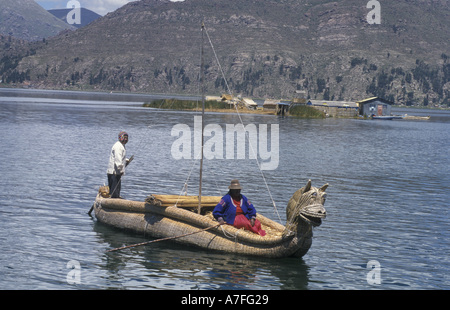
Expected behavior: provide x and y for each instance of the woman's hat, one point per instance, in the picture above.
(235, 185)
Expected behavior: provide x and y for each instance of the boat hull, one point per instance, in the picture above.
(157, 221)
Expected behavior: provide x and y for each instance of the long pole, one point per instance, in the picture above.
(164, 239)
(202, 77)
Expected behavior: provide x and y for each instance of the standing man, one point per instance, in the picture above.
(117, 164)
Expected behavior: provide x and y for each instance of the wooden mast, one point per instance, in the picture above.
(202, 77)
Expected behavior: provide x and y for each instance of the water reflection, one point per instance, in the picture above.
(168, 265)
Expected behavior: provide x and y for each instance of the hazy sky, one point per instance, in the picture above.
(101, 7)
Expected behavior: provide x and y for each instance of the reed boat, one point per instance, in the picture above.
(386, 117)
(176, 218)
(413, 117)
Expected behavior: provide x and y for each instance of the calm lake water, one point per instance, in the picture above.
(388, 199)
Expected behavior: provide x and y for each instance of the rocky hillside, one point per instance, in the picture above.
(27, 20)
(267, 48)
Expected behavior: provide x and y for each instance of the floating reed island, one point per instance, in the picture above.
(304, 111)
(194, 105)
(226, 107)
(177, 104)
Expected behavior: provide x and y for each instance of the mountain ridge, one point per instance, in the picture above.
(267, 49)
(27, 20)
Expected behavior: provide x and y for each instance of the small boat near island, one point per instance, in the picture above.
(414, 117)
(406, 116)
(386, 117)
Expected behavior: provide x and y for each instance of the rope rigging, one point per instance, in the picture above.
(242, 123)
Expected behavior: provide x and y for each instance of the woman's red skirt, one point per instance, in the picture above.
(242, 222)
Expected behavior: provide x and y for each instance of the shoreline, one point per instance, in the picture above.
(85, 95)
(130, 97)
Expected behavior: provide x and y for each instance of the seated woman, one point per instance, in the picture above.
(236, 210)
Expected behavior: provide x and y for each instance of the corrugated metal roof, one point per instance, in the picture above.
(339, 104)
(373, 99)
(368, 99)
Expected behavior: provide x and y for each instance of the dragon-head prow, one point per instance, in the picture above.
(307, 204)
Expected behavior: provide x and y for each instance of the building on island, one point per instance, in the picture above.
(374, 106)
